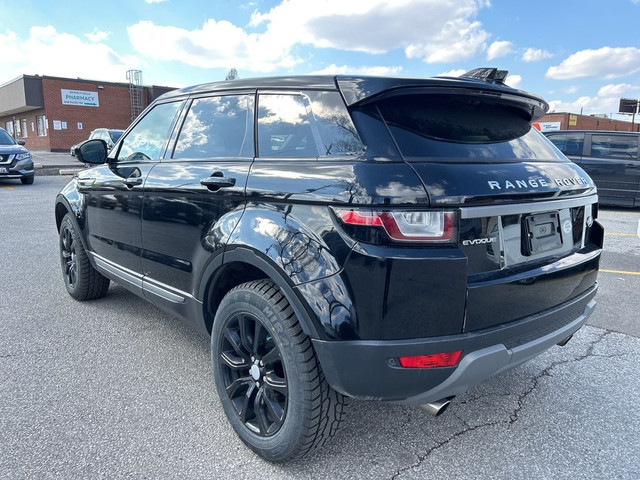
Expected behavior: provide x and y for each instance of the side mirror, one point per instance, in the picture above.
(21, 142)
(93, 152)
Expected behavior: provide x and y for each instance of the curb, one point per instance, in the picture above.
(57, 170)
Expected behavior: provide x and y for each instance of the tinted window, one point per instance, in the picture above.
(568, 143)
(147, 139)
(614, 146)
(458, 130)
(310, 124)
(284, 129)
(217, 127)
(336, 130)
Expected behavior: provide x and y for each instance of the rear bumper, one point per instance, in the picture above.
(370, 370)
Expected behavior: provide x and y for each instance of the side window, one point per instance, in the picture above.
(217, 127)
(568, 143)
(614, 146)
(284, 129)
(309, 124)
(146, 140)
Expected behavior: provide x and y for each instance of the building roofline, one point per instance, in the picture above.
(78, 79)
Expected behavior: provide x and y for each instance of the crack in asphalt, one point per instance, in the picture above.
(515, 415)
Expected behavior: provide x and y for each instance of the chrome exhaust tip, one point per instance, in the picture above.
(436, 408)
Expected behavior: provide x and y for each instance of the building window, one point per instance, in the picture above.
(9, 127)
(17, 129)
(24, 128)
(42, 130)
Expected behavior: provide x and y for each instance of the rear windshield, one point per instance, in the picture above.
(460, 129)
(115, 135)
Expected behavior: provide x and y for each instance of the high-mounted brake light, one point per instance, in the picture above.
(448, 359)
(407, 226)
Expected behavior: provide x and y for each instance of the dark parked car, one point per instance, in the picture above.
(610, 159)
(109, 135)
(15, 160)
(340, 237)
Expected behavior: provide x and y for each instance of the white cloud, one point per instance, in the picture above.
(605, 62)
(499, 49)
(215, 45)
(452, 73)
(430, 30)
(514, 80)
(97, 35)
(49, 52)
(155, 1)
(605, 101)
(348, 70)
(531, 55)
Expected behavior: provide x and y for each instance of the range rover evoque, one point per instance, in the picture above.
(340, 237)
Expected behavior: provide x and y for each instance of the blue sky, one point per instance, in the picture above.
(577, 54)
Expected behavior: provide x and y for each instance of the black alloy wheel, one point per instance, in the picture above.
(268, 378)
(253, 374)
(68, 253)
(82, 280)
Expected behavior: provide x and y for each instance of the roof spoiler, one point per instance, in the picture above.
(487, 74)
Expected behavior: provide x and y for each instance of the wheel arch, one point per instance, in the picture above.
(62, 207)
(240, 265)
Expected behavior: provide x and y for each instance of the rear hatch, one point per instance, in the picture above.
(526, 212)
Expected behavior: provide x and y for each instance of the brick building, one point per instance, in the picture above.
(54, 113)
(572, 121)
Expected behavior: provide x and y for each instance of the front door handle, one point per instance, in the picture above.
(215, 182)
(85, 183)
(132, 181)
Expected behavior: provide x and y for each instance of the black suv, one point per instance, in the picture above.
(15, 160)
(340, 237)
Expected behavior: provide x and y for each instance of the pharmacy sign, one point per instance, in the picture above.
(80, 98)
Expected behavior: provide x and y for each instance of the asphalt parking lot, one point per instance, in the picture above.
(116, 388)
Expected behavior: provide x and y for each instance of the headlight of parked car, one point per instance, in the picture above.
(23, 156)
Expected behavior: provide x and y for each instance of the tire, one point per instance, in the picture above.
(27, 180)
(269, 381)
(83, 282)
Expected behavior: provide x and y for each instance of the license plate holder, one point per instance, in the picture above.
(541, 233)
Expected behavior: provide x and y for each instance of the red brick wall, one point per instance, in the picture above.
(114, 110)
(587, 122)
(32, 140)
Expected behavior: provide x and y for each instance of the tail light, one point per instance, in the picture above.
(405, 226)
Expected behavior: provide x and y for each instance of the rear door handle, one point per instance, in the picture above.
(215, 182)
